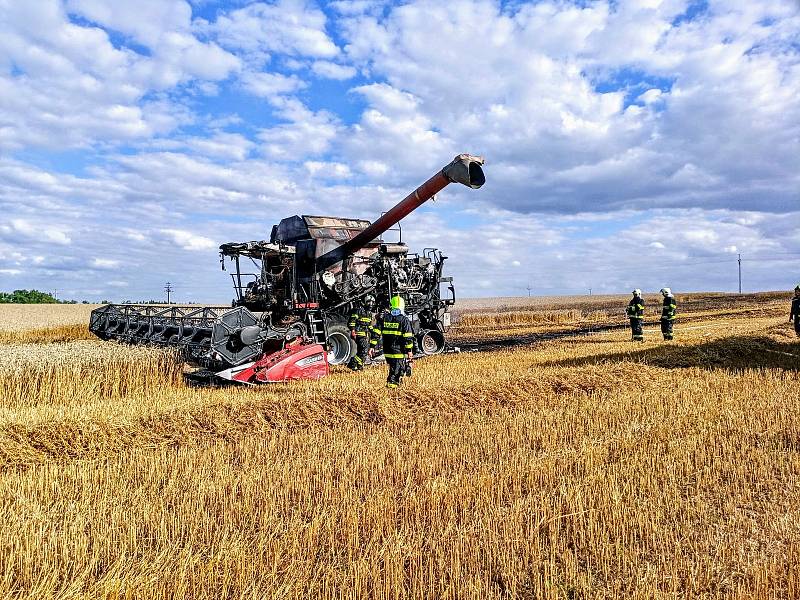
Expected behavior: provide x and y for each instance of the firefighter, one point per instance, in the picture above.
(794, 315)
(635, 313)
(394, 328)
(360, 325)
(667, 313)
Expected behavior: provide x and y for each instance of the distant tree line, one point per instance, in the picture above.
(34, 297)
(37, 297)
(27, 297)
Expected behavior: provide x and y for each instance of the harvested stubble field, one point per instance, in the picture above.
(584, 467)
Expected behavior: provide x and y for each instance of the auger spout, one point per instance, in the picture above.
(464, 169)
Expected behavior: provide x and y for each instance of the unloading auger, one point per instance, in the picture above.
(295, 292)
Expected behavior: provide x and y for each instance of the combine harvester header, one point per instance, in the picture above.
(289, 318)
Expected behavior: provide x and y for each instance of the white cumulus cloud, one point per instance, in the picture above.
(188, 240)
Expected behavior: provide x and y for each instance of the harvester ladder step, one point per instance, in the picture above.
(316, 327)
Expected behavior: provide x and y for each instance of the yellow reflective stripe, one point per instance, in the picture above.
(366, 319)
(361, 334)
(391, 325)
(394, 355)
(373, 343)
(409, 346)
(384, 332)
(408, 335)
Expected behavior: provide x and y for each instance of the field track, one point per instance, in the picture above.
(497, 341)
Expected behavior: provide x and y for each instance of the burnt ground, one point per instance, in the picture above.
(694, 309)
(687, 303)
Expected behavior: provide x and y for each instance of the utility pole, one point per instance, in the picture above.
(590, 291)
(740, 273)
(529, 288)
(168, 289)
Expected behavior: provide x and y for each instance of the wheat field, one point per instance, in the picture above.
(582, 467)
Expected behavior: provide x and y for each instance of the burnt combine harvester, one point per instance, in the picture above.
(294, 294)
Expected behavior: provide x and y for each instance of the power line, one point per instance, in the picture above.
(168, 289)
(772, 258)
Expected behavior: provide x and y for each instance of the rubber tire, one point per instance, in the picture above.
(434, 344)
(337, 334)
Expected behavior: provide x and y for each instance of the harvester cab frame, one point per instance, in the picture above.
(288, 319)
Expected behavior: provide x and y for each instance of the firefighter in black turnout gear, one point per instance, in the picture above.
(667, 313)
(360, 325)
(795, 314)
(394, 327)
(635, 312)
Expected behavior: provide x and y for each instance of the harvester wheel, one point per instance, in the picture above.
(430, 341)
(341, 347)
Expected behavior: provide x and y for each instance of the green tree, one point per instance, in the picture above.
(27, 297)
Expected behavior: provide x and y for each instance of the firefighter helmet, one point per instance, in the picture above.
(666, 292)
(637, 292)
(397, 303)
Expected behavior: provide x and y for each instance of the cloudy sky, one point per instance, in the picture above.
(628, 143)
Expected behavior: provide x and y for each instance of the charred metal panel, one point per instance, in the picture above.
(254, 249)
(315, 222)
(290, 230)
(305, 258)
(293, 229)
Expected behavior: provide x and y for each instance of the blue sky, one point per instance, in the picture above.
(627, 143)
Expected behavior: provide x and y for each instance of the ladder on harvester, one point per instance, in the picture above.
(316, 326)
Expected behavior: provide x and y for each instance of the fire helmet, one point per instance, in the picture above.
(369, 300)
(397, 303)
(637, 292)
(666, 291)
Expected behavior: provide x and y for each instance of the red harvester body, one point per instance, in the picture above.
(295, 361)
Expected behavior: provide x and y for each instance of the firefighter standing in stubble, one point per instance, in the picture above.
(398, 340)
(667, 313)
(360, 325)
(795, 314)
(635, 313)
